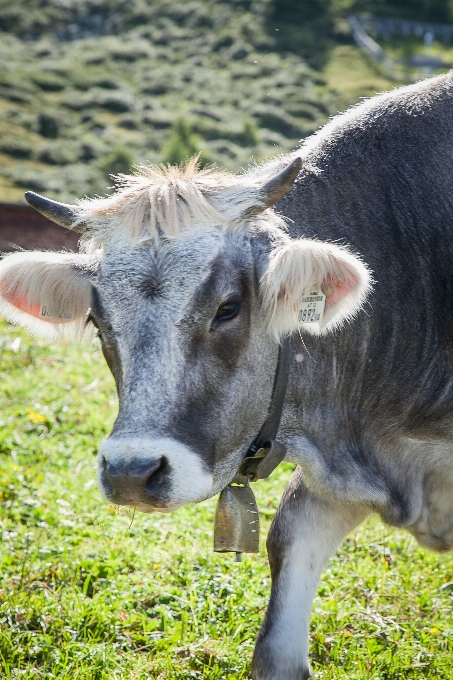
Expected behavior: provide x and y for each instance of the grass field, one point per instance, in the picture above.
(89, 592)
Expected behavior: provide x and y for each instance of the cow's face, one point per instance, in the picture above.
(184, 333)
(190, 328)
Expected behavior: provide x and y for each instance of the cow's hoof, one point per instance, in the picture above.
(267, 669)
(300, 674)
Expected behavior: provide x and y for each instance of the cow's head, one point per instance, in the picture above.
(190, 279)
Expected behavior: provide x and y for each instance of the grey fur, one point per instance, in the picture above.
(368, 415)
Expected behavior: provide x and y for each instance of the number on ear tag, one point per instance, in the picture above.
(311, 307)
(63, 313)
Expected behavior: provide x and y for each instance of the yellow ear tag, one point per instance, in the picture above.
(311, 308)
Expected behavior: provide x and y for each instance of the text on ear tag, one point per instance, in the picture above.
(237, 523)
(311, 308)
(62, 313)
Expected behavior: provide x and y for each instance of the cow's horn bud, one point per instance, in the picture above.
(274, 190)
(60, 213)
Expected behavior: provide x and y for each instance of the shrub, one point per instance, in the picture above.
(129, 52)
(276, 119)
(128, 123)
(119, 160)
(224, 38)
(84, 80)
(161, 81)
(117, 102)
(77, 102)
(158, 119)
(299, 11)
(55, 153)
(182, 144)
(48, 81)
(224, 147)
(302, 111)
(35, 180)
(90, 149)
(49, 124)
(274, 139)
(106, 83)
(211, 130)
(14, 94)
(17, 147)
(239, 50)
(248, 136)
(157, 87)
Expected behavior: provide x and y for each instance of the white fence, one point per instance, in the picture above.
(398, 68)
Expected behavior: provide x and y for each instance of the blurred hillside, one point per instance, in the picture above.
(90, 87)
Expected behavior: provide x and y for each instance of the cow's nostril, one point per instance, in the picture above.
(152, 470)
(156, 475)
(105, 481)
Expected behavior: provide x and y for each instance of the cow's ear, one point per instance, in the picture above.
(49, 294)
(300, 266)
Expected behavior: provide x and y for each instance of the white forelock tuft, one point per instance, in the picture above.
(168, 201)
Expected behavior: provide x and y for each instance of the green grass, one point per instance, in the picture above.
(90, 592)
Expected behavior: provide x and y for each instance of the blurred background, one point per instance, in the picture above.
(92, 87)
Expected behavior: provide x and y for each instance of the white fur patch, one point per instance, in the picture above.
(47, 293)
(298, 265)
(189, 480)
(158, 201)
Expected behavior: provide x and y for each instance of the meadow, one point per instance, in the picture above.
(93, 592)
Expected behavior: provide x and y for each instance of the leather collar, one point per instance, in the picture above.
(266, 453)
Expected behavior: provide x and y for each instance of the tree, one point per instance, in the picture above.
(182, 144)
(299, 11)
(119, 160)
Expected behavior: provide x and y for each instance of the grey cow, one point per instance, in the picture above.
(192, 280)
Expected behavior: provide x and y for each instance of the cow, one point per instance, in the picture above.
(193, 279)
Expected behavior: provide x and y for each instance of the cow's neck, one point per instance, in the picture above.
(265, 452)
(236, 527)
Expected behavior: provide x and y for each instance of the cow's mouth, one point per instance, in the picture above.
(151, 474)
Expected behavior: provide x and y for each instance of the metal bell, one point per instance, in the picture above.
(237, 522)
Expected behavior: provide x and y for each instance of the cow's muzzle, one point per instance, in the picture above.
(151, 474)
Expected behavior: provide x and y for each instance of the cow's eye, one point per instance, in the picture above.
(227, 311)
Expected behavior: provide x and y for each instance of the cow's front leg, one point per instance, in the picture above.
(305, 532)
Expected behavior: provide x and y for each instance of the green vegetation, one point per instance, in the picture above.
(181, 144)
(90, 86)
(436, 11)
(90, 592)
